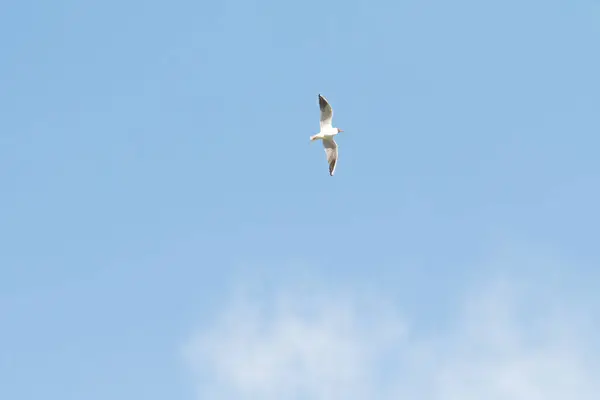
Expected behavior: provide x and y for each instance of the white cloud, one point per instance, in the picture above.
(335, 345)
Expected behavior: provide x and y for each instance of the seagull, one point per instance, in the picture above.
(327, 133)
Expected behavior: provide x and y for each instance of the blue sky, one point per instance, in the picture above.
(156, 173)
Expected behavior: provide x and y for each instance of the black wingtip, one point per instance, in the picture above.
(322, 102)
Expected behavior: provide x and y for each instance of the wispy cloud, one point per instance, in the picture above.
(345, 345)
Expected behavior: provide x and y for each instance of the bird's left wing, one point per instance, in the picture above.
(331, 149)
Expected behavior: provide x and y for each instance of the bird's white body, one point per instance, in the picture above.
(327, 134)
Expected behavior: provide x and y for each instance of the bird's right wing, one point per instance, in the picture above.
(326, 113)
(331, 149)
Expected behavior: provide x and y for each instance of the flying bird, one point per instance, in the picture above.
(327, 133)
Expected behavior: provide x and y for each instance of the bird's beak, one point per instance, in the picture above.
(341, 130)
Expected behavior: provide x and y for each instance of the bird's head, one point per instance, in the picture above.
(340, 130)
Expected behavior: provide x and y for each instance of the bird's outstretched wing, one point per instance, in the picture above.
(331, 149)
(326, 113)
